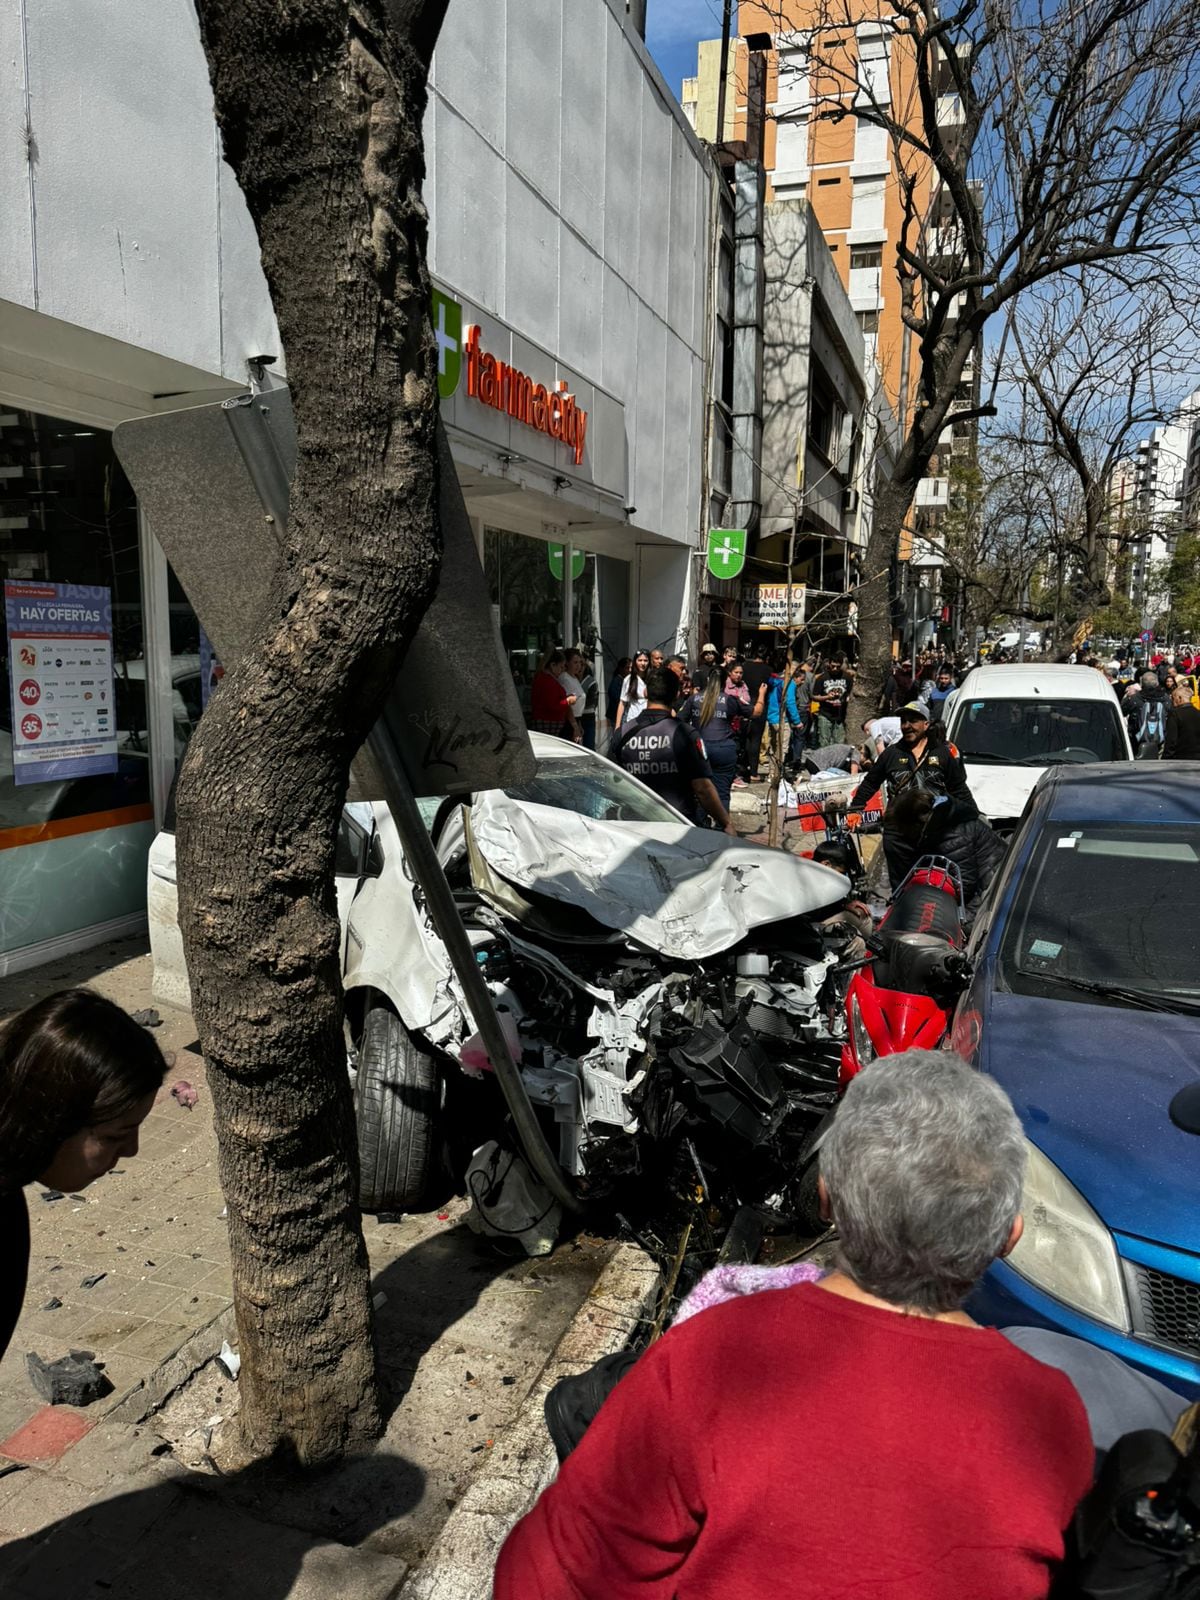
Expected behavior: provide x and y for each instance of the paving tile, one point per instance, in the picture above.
(46, 1435)
(181, 1271)
(154, 1341)
(108, 1329)
(39, 1498)
(219, 1281)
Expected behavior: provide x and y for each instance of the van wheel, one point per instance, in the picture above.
(397, 1093)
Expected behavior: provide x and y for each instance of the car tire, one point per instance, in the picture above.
(397, 1094)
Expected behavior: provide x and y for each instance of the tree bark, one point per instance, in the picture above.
(320, 105)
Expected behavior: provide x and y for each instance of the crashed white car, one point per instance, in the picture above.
(662, 986)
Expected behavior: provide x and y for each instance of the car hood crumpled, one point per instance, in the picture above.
(682, 891)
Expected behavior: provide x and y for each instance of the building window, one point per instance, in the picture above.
(868, 321)
(866, 256)
(826, 417)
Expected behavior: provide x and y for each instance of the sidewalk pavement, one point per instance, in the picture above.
(127, 1496)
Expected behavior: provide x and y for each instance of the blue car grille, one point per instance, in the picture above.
(1169, 1308)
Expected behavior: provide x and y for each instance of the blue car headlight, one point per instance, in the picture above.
(1066, 1249)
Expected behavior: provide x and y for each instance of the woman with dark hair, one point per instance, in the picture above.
(632, 701)
(714, 715)
(77, 1079)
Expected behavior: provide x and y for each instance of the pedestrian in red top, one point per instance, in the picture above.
(858, 1437)
(550, 706)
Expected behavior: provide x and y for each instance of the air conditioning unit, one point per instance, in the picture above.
(849, 501)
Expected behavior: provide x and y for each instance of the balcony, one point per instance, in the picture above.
(933, 494)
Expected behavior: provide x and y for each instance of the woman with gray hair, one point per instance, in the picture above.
(860, 1435)
(922, 1173)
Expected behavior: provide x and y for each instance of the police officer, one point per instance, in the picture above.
(929, 763)
(667, 756)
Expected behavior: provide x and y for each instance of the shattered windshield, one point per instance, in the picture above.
(592, 789)
(1039, 732)
(1108, 912)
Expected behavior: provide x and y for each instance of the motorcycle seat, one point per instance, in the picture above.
(922, 909)
(911, 961)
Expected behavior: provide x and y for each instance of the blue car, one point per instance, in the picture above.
(1085, 1005)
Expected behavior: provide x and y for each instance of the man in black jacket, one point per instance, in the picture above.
(918, 761)
(926, 824)
(929, 763)
(1183, 729)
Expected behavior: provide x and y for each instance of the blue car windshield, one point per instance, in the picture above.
(1107, 913)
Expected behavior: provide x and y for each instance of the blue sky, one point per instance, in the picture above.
(673, 29)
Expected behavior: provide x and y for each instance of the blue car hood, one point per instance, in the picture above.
(1092, 1084)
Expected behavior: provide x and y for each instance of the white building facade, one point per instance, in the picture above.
(570, 219)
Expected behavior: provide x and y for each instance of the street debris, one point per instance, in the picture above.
(229, 1359)
(73, 1380)
(147, 1019)
(184, 1093)
(51, 1195)
(53, 1304)
(92, 1280)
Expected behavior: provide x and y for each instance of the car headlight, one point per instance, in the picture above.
(864, 1047)
(1066, 1249)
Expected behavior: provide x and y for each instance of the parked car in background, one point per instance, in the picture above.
(1010, 723)
(1084, 1005)
(1012, 640)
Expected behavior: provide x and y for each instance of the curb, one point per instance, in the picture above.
(154, 1390)
(461, 1560)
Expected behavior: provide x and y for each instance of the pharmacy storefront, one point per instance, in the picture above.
(542, 457)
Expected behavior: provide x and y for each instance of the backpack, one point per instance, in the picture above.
(1134, 1535)
(1152, 730)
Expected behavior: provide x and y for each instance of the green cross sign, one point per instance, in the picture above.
(726, 551)
(447, 330)
(554, 554)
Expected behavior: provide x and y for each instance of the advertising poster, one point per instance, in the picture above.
(60, 671)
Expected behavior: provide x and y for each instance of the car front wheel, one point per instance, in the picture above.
(397, 1094)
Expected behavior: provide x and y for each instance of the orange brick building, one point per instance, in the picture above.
(828, 56)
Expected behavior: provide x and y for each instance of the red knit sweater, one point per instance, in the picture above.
(798, 1444)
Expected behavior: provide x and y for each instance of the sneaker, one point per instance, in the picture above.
(740, 783)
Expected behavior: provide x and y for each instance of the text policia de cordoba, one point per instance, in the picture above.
(550, 411)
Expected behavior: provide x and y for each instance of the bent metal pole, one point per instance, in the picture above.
(427, 870)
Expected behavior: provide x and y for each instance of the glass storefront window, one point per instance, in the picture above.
(68, 515)
(527, 599)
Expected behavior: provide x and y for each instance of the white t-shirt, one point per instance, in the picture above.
(633, 706)
(573, 686)
(885, 728)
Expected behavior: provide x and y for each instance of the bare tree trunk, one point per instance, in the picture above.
(891, 504)
(320, 105)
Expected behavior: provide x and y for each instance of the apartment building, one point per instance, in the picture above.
(824, 56)
(1161, 491)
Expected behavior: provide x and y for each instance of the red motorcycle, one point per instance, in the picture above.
(902, 997)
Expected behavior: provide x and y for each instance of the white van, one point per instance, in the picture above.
(1010, 723)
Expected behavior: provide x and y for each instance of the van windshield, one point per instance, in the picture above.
(1038, 732)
